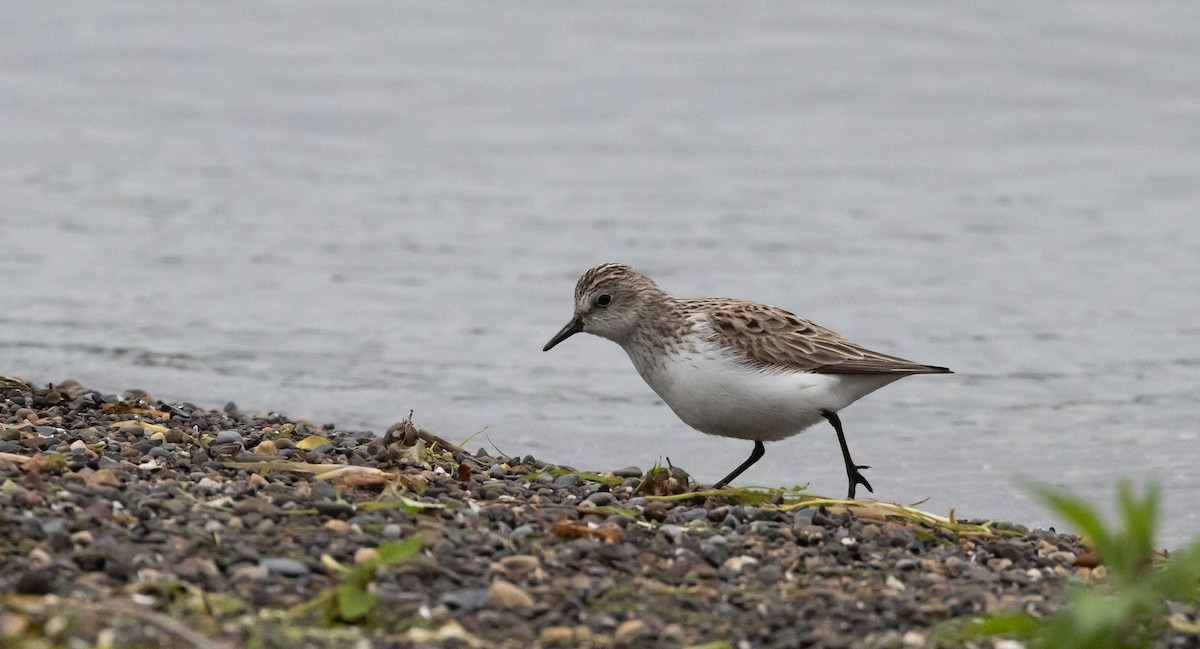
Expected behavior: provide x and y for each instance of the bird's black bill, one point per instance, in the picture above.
(573, 327)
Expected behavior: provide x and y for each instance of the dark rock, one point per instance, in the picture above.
(467, 600)
(567, 480)
(600, 499)
(35, 582)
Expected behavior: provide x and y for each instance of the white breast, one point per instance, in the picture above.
(712, 390)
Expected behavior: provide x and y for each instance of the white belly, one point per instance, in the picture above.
(715, 394)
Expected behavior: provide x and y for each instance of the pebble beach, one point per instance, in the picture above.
(129, 522)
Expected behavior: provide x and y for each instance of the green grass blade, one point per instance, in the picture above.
(1079, 514)
(394, 552)
(354, 602)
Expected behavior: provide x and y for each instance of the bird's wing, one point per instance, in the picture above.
(773, 337)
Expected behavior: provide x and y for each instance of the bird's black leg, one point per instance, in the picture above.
(755, 455)
(856, 478)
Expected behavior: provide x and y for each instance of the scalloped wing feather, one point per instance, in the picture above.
(773, 337)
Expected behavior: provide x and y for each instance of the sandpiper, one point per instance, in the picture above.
(731, 367)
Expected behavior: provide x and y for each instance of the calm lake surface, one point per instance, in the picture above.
(346, 212)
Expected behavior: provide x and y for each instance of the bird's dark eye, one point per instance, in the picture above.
(604, 300)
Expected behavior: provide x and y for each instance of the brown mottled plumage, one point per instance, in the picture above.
(773, 338)
(732, 367)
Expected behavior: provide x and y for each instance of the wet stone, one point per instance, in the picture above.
(228, 437)
(600, 498)
(628, 472)
(567, 480)
(469, 599)
(284, 567)
(322, 490)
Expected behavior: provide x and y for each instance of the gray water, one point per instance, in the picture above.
(346, 212)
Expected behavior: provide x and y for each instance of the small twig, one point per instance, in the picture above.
(432, 439)
(162, 621)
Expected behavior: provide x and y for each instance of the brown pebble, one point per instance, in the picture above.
(104, 478)
(673, 633)
(266, 447)
(519, 565)
(657, 510)
(557, 636)
(629, 632)
(505, 595)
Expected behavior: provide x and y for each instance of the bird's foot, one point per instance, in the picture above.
(856, 478)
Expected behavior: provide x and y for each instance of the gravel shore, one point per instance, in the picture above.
(130, 522)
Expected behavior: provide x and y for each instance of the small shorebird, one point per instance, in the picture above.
(731, 367)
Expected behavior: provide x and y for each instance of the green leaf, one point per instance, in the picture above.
(416, 506)
(1135, 544)
(394, 552)
(354, 602)
(1179, 576)
(1078, 513)
(658, 471)
(1021, 624)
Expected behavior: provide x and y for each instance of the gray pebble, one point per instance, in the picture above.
(600, 498)
(521, 532)
(468, 599)
(745, 512)
(568, 480)
(628, 472)
(228, 437)
(333, 508)
(714, 553)
(803, 515)
(54, 526)
(284, 567)
(322, 490)
(671, 531)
